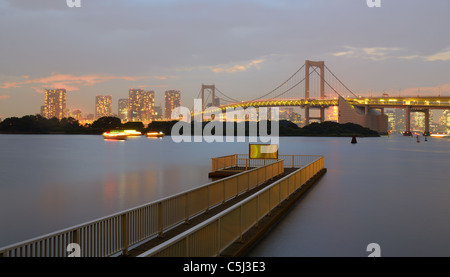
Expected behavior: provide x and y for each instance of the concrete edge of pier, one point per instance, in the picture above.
(255, 234)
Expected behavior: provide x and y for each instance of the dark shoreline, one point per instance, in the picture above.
(35, 125)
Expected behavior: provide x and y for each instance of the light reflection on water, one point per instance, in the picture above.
(389, 190)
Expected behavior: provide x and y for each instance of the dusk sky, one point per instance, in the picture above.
(246, 48)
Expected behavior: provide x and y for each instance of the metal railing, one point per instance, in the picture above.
(114, 234)
(289, 160)
(241, 162)
(214, 235)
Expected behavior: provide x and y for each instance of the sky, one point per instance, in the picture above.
(244, 47)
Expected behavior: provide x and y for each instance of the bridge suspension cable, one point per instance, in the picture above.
(341, 82)
(295, 85)
(232, 99)
(315, 70)
(282, 84)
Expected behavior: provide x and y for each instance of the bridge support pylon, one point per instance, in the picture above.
(427, 122)
(213, 92)
(408, 122)
(321, 66)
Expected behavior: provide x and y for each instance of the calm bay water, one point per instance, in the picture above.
(390, 190)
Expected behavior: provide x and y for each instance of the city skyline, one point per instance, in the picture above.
(244, 48)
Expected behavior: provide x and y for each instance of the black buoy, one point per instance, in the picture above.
(354, 139)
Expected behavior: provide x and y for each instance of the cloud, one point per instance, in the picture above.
(227, 68)
(7, 85)
(236, 68)
(68, 81)
(371, 53)
(383, 53)
(441, 56)
(4, 97)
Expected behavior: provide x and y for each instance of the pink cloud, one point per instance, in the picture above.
(68, 81)
(7, 85)
(4, 97)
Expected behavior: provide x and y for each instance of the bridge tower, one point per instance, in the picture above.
(213, 92)
(321, 66)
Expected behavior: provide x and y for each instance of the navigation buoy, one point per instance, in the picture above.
(426, 139)
(354, 139)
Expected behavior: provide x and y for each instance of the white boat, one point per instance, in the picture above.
(115, 135)
(132, 133)
(440, 135)
(154, 134)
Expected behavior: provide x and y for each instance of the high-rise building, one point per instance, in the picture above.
(55, 103)
(446, 116)
(391, 119)
(76, 114)
(418, 120)
(123, 109)
(141, 105)
(172, 99)
(103, 106)
(158, 113)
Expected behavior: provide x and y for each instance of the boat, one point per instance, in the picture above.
(440, 135)
(154, 134)
(116, 135)
(132, 133)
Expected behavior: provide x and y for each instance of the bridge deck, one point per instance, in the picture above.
(134, 252)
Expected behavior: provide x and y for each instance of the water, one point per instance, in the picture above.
(390, 190)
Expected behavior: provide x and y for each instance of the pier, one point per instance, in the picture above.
(221, 218)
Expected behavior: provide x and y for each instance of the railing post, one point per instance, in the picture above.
(186, 208)
(224, 192)
(292, 161)
(279, 193)
(76, 236)
(124, 230)
(257, 211)
(208, 192)
(160, 220)
(248, 179)
(240, 225)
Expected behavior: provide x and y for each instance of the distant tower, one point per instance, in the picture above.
(55, 103)
(123, 109)
(103, 106)
(172, 99)
(141, 105)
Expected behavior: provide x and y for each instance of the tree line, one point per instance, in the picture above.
(37, 124)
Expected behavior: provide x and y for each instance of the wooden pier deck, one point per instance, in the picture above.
(251, 236)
